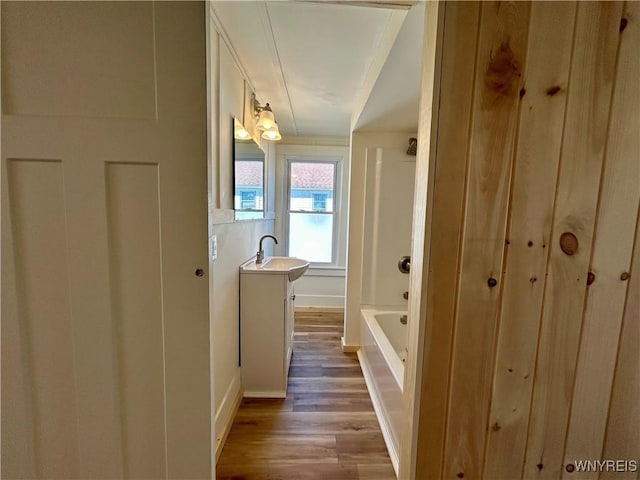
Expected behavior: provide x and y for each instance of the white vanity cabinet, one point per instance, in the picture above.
(266, 333)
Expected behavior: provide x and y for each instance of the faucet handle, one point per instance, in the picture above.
(260, 255)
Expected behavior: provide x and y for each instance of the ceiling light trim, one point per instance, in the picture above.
(283, 80)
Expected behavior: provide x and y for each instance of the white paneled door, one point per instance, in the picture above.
(105, 330)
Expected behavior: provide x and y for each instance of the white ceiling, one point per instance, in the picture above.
(314, 62)
(393, 105)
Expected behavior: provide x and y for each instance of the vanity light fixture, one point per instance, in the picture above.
(240, 133)
(266, 121)
(273, 134)
(264, 114)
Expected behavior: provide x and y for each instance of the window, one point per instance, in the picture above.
(312, 212)
(320, 201)
(249, 191)
(248, 199)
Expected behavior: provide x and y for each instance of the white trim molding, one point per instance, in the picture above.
(351, 348)
(227, 412)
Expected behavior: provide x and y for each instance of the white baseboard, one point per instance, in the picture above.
(227, 412)
(380, 413)
(319, 300)
(348, 348)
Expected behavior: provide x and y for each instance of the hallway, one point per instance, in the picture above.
(325, 428)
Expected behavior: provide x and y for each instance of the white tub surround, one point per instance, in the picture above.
(380, 208)
(382, 346)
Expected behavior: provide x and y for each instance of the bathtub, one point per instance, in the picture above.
(383, 346)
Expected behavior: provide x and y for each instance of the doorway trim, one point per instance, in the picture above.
(421, 234)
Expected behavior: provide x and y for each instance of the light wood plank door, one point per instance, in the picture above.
(105, 330)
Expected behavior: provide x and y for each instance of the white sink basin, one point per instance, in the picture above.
(291, 266)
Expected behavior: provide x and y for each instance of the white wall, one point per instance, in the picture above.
(236, 241)
(320, 286)
(364, 148)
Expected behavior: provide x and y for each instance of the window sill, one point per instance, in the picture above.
(228, 215)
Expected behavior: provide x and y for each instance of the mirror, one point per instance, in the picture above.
(248, 175)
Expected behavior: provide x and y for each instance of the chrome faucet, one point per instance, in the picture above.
(260, 254)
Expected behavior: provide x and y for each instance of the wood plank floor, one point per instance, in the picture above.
(325, 429)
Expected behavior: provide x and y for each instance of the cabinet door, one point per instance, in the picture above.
(288, 326)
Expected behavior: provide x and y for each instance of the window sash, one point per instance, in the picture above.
(311, 212)
(335, 208)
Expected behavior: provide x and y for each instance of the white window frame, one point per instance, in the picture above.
(337, 201)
